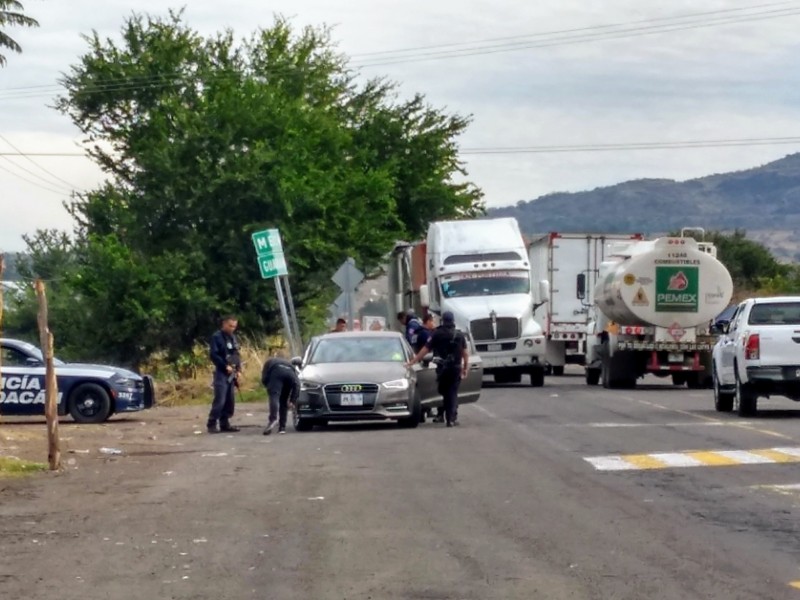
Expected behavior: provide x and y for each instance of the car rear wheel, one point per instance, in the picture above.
(593, 376)
(746, 399)
(90, 403)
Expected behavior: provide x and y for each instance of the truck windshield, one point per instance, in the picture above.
(775, 313)
(487, 283)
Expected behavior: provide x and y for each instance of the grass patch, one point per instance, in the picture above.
(193, 388)
(15, 467)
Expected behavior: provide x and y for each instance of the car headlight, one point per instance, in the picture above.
(308, 386)
(125, 382)
(397, 384)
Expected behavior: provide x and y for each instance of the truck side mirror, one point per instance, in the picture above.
(544, 292)
(581, 287)
(424, 296)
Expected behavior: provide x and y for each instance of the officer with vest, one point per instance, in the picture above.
(411, 328)
(224, 353)
(449, 347)
(283, 386)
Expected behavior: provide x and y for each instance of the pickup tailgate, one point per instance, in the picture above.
(778, 327)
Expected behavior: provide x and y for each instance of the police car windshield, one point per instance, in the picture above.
(492, 283)
(37, 354)
(357, 349)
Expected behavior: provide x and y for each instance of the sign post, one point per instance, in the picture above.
(272, 265)
(348, 278)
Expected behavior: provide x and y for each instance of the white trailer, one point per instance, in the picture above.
(570, 263)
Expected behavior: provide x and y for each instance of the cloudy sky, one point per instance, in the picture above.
(580, 73)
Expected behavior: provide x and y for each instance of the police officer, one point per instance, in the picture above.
(449, 347)
(224, 353)
(411, 327)
(283, 386)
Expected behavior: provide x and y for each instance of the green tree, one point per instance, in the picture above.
(11, 15)
(206, 140)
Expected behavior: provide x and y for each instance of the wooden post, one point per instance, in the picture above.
(51, 385)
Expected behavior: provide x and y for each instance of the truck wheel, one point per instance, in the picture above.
(558, 371)
(696, 380)
(90, 403)
(746, 399)
(537, 376)
(723, 401)
(678, 379)
(592, 376)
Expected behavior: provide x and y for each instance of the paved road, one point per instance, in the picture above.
(561, 492)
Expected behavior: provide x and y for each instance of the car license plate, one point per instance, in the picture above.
(494, 347)
(675, 357)
(352, 400)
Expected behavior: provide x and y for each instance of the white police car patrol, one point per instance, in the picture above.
(89, 393)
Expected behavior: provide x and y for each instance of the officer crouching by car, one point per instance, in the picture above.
(283, 387)
(449, 347)
(224, 353)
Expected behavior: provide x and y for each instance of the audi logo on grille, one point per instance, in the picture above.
(349, 389)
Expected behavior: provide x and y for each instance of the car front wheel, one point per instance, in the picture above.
(90, 403)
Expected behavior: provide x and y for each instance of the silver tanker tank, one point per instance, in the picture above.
(663, 282)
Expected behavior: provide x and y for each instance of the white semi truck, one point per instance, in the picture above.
(570, 263)
(478, 270)
(654, 303)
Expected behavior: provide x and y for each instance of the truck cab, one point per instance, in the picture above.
(479, 271)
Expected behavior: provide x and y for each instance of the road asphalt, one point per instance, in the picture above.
(560, 492)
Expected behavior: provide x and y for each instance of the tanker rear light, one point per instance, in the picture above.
(632, 330)
(677, 242)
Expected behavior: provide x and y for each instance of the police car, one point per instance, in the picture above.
(89, 393)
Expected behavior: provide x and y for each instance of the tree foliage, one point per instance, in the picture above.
(12, 15)
(205, 141)
(750, 263)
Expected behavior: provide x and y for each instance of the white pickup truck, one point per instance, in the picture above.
(758, 354)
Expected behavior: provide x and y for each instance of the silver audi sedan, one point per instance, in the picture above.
(361, 376)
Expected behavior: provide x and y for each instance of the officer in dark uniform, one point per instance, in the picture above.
(411, 327)
(283, 386)
(224, 353)
(449, 347)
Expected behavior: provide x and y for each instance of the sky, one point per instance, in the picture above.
(623, 77)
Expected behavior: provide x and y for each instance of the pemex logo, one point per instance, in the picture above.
(677, 289)
(678, 282)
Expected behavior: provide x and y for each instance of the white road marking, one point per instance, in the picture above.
(676, 459)
(744, 457)
(674, 424)
(611, 463)
(484, 411)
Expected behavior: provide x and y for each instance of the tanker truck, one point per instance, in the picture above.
(654, 304)
(478, 270)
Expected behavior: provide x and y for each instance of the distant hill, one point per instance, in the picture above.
(764, 200)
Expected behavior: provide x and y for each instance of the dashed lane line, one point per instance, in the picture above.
(695, 458)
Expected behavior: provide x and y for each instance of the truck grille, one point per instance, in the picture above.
(507, 329)
(333, 394)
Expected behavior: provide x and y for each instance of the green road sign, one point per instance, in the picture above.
(268, 242)
(677, 289)
(272, 266)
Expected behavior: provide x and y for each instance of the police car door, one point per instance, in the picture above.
(470, 388)
(21, 384)
(425, 374)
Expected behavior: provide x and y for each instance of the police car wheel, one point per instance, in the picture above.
(90, 403)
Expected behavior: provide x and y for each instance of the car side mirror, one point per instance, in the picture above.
(297, 361)
(581, 286)
(33, 362)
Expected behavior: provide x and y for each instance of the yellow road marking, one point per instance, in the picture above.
(795, 584)
(713, 459)
(775, 456)
(643, 461)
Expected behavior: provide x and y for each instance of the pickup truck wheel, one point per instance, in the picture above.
(723, 401)
(593, 376)
(746, 400)
(90, 403)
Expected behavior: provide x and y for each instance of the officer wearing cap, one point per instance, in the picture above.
(449, 347)
(411, 328)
